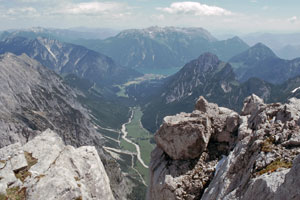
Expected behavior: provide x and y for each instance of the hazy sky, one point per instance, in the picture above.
(214, 15)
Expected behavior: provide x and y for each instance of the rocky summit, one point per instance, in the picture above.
(216, 153)
(44, 168)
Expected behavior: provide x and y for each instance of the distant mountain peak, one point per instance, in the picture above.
(261, 50)
(256, 53)
(207, 61)
(208, 57)
(236, 38)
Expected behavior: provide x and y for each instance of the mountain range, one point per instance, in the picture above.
(286, 46)
(261, 62)
(168, 47)
(48, 83)
(66, 35)
(65, 58)
(209, 77)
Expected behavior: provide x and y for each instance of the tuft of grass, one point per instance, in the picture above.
(274, 166)
(30, 160)
(76, 178)
(24, 173)
(15, 193)
(267, 144)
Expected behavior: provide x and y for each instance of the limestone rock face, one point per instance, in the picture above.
(254, 155)
(44, 168)
(34, 98)
(177, 145)
(181, 165)
(186, 136)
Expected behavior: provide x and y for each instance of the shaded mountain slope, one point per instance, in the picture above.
(209, 77)
(259, 61)
(33, 98)
(66, 58)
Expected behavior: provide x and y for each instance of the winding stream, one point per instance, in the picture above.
(124, 136)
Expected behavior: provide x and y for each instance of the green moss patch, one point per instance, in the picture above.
(274, 166)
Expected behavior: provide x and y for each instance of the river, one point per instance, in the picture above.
(124, 136)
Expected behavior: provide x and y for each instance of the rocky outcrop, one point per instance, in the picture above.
(253, 155)
(33, 98)
(188, 147)
(186, 136)
(44, 168)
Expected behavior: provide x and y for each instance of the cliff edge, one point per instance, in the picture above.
(216, 153)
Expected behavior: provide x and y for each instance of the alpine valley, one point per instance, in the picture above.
(82, 110)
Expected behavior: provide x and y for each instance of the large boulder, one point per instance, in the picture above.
(184, 136)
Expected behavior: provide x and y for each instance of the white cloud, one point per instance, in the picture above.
(293, 19)
(93, 8)
(21, 12)
(195, 8)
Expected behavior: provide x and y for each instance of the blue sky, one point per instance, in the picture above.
(236, 16)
